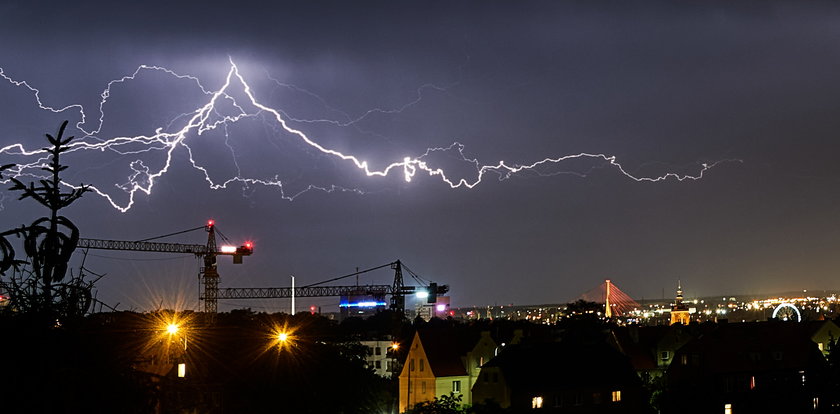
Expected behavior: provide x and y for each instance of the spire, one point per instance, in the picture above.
(678, 302)
(679, 293)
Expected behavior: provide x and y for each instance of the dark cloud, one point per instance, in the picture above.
(664, 86)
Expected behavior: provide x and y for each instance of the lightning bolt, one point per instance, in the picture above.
(210, 117)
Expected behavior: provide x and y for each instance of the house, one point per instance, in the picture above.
(823, 333)
(380, 357)
(748, 368)
(561, 377)
(441, 361)
(652, 348)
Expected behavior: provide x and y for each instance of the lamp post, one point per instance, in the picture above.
(176, 334)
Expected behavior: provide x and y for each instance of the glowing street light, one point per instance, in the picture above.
(282, 337)
(395, 346)
(172, 329)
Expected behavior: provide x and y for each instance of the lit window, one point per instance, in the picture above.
(752, 382)
(727, 409)
(821, 346)
(182, 370)
(536, 402)
(616, 396)
(684, 359)
(456, 387)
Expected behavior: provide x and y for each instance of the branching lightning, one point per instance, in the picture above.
(208, 117)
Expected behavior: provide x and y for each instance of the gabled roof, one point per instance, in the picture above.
(445, 349)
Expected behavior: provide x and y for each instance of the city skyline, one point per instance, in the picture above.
(720, 119)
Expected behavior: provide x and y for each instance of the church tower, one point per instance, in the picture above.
(679, 313)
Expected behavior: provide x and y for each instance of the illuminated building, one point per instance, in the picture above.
(438, 309)
(379, 357)
(679, 312)
(443, 362)
(361, 305)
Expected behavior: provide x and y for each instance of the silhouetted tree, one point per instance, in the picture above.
(49, 243)
(7, 252)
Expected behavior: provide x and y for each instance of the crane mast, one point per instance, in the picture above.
(209, 274)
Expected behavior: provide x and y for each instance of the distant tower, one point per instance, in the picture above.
(679, 313)
(607, 309)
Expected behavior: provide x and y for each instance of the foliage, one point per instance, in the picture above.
(655, 388)
(7, 252)
(445, 404)
(49, 242)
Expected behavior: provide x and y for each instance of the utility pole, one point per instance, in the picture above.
(293, 295)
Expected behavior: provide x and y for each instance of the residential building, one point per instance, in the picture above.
(561, 377)
(443, 361)
(380, 357)
(755, 367)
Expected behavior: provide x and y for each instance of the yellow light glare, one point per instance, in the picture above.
(282, 337)
(395, 346)
(172, 328)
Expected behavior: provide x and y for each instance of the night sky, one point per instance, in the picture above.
(663, 86)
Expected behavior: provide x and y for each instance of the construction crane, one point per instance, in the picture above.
(209, 274)
(398, 290)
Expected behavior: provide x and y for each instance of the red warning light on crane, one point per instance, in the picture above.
(211, 223)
